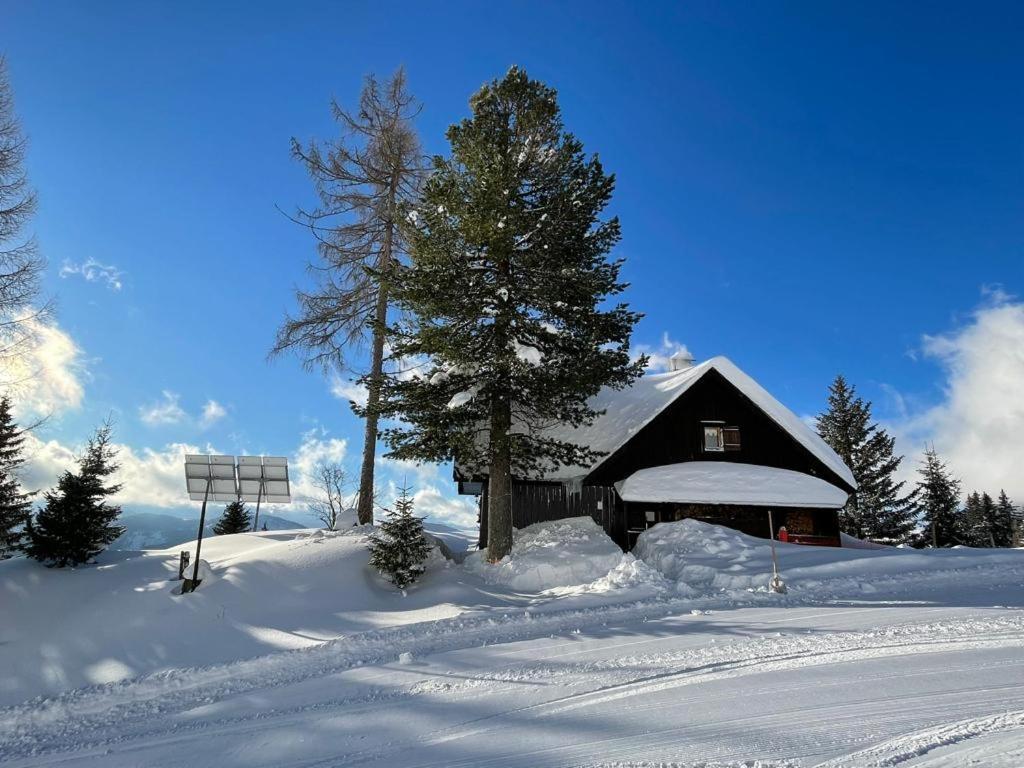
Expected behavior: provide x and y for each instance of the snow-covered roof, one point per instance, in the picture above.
(629, 410)
(726, 482)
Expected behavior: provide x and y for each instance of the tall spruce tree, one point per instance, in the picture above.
(236, 519)
(76, 523)
(14, 502)
(363, 180)
(878, 510)
(975, 521)
(938, 503)
(1003, 521)
(988, 513)
(508, 292)
(399, 548)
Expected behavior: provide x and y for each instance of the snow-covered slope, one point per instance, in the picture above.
(151, 530)
(271, 591)
(875, 657)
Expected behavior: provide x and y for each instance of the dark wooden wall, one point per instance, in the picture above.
(676, 436)
(540, 502)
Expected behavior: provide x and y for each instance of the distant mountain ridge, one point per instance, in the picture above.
(152, 530)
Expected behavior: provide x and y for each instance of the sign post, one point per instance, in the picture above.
(776, 584)
(223, 478)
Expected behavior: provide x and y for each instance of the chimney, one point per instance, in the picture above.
(681, 360)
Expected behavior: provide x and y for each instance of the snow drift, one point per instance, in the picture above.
(558, 553)
(708, 560)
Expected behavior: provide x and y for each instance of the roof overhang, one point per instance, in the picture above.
(730, 483)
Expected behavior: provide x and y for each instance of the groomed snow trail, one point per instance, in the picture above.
(791, 687)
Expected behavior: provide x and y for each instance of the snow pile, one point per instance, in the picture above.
(705, 560)
(633, 575)
(558, 553)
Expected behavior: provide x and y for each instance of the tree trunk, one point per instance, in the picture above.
(364, 509)
(499, 491)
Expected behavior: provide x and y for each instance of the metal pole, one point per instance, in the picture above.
(199, 538)
(776, 584)
(259, 496)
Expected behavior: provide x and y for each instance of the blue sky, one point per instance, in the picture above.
(806, 188)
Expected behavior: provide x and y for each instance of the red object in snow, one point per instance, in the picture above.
(783, 534)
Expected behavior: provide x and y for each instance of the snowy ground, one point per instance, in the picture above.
(875, 657)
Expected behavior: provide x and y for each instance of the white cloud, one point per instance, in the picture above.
(150, 477)
(167, 410)
(154, 477)
(93, 271)
(212, 413)
(348, 390)
(316, 448)
(433, 491)
(44, 375)
(459, 511)
(660, 355)
(977, 427)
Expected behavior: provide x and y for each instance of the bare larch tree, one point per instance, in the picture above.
(330, 481)
(21, 266)
(364, 180)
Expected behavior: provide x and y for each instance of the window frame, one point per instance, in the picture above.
(719, 429)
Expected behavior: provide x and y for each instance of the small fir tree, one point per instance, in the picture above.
(76, 523)
(878, 510)
(15, 506)
(938, 494)
(511, 295)
(1003, 519)
(236, 519)
(399, 548)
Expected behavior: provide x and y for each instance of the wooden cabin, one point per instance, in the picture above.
(700, 441)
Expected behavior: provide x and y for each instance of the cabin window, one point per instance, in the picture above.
(718, 437)
(714, 439)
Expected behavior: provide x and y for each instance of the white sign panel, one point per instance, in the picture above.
(250, 478)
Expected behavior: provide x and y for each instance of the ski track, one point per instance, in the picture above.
(138, 715)
(29, 726)
(906, 748)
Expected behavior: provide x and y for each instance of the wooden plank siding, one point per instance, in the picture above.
(541, 502)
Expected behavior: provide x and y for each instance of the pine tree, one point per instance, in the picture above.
(1003, 521)
(878, 510)
(508, 294)
(236, 519)
(975, 521)
(14, 502)
(76, 523)
(362, 179)
(938, 494)
(399, 548)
